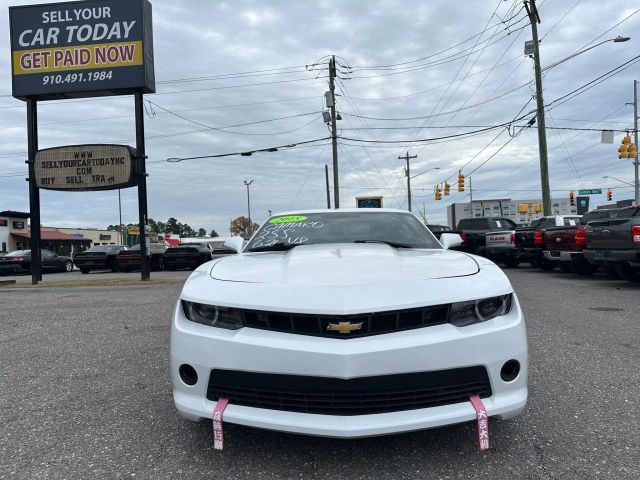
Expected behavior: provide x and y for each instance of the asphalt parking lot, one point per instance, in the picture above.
(86, 394)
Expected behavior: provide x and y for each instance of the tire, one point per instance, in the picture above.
(511, 262)
(611, 272)
(547, 265)
(85, 270)
(565, 267)
(160, 264)
(584, 268)
(68, 266)
(627, 273)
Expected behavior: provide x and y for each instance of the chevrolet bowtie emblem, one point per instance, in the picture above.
(344, 327)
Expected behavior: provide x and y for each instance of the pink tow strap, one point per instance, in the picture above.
(483, 422)
(218, 411)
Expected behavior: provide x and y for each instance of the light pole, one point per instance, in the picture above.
(621, 181)
(411, 177)
(534, 19)
(248, 184)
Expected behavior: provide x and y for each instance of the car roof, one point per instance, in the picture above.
(343, 210)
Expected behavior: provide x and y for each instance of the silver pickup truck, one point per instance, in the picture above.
(502, 245)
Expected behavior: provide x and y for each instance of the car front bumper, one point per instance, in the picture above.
(441, 347)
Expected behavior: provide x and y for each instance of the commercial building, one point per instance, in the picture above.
(15, 234)
(507, 208)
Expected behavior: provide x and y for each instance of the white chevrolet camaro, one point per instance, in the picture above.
(348, 323)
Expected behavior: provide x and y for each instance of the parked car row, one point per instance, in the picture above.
(607, 239)
(116, 258)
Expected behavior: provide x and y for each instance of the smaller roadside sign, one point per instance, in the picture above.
(133, 230)
(85, 167)
(590, 191)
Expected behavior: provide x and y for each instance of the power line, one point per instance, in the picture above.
(248, 153)
(223, 129)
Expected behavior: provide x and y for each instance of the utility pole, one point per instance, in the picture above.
(408, 174)
(248, 184)
(470, 191)
(534, 19)
(143, 216)
(334, 130)
(635, 128)
(326, 181)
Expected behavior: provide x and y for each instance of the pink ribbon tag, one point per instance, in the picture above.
(483, 422)
(218, 436)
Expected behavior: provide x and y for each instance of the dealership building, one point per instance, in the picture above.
(507, 208)
(15, 234)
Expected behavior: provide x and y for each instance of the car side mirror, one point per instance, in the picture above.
(235, 243)
(449, 240)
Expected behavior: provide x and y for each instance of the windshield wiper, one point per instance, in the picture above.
(391, 244)
(276, 247)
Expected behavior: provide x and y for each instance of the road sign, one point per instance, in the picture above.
(590, 191)
(81, 49)
(85, 167)
(133, 230)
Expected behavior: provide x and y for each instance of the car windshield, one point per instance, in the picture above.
(394, 228)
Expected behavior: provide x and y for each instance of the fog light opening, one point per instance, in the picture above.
(188, 374)
(510, 370)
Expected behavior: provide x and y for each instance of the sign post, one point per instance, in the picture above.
(74, 50)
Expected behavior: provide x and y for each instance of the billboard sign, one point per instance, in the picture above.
(85, 167)
(583, 205)
(369, 202)
(81, 49)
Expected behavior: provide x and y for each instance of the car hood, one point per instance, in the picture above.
(343, 265)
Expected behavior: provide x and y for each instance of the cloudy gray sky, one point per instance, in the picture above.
(398, 60)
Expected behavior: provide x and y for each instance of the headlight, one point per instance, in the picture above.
(213, 316)
(476, 311)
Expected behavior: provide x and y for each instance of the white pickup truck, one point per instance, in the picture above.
(512, 246)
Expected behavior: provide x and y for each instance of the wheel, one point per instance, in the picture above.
(160, 264)
(611, 272)
(68, 266)
(627, 273)
(85, 270)
(584, 268)
(565, 267)
(511, 262)
(547, 265)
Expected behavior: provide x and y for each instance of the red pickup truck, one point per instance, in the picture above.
(566, 244)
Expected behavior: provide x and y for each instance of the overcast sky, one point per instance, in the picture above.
(457, 72)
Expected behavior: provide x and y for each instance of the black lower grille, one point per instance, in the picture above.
(356, 396)
(360, 325)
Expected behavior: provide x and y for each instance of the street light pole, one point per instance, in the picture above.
(534, 19)
(248, 184)
(636, 163)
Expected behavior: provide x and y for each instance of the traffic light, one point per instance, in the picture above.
(460, 181)
(627, 149)
(571, 200)
(447, 187)
(438, 193)
(609, 195)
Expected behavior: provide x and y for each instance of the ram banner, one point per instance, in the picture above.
(81, 49)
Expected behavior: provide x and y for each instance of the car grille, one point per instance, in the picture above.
(372, 323)
(356, 396)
